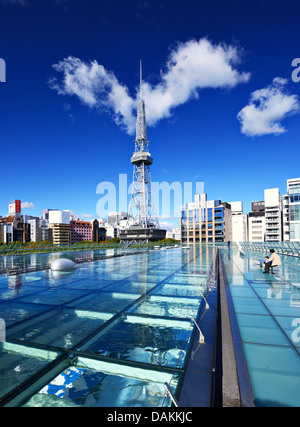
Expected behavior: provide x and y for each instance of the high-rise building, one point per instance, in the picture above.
(35, 230)
(60, 234)
(81, 231)
(273, 215)
(239, 223)
(206, 221)
(293, 193)
(59, 217)
(44, 227)
(257, 222)
(145, 226)
(285, 218)
(12, 226)
(13, 229)
(59, 227)
(38, 228)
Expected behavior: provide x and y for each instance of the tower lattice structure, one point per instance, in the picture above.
(141, 207)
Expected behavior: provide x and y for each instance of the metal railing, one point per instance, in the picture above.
(282, 248)
(21, 249)
(170, 393)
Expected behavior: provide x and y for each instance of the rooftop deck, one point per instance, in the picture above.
(203, 320)
(265, 318)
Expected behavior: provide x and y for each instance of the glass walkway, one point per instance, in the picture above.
(143, 329)
(113, 332)
(266, 308)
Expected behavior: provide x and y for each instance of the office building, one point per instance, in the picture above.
(38, 228)
(12, 226)
(59, 227)
(13, 229)
(175, 234)
(44, 229)
(111, 231)
(60, 234)
(35, 231)
(59, 217)
(285, 218)
(239, 223)
(273, 215)
(81, 231)
(98, 231)
(7, 229)
(95, 230)
(206, 221)
(293, 193)
(257, 222)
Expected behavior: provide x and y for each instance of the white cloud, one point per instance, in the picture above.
(28, 205)
(191, 66)
(96, 88)
(267, 108)
(166, 225)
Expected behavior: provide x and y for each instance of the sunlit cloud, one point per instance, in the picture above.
(267, 108)
(191, 67)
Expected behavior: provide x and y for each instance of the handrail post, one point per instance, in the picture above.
(201, 336)
(169, 391)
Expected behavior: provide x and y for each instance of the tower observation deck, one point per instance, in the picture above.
(144, 226)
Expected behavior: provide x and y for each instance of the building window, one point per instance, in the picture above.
(295, 213)
(295, 232)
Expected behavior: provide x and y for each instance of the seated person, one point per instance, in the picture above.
(263, 261)
(274, 261)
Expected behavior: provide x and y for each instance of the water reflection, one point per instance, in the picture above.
(15, 283)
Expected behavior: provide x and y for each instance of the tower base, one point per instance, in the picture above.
(141, 236)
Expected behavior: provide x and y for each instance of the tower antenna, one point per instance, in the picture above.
(141, 79)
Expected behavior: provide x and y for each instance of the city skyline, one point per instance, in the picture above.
(221, 104)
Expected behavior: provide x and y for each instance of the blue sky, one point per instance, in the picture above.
(221, 104)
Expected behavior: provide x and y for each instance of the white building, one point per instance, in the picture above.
(273, 215)
(114, 218)
(35, 230)
(257, 222)
(59, 217)
(285, 218)
(115, 222)
(175, 233)
(111, 231)
(39, 230)
(239, 223)
(257, 228)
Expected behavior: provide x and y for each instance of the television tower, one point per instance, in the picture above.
(145, 226)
